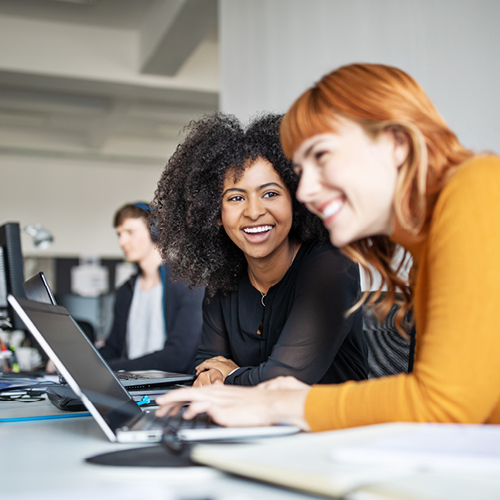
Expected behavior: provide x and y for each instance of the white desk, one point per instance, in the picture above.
(45, 459)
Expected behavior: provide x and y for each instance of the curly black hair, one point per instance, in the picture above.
(188, 198)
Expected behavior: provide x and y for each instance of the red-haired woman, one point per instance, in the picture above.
(380, 166)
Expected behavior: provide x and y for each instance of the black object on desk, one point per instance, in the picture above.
(63, 397)
(149, 456)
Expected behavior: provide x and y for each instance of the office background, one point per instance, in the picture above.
(93, 94)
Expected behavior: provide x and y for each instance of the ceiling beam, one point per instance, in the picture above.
(166, 46)
(206, 100)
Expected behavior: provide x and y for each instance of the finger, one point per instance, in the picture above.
(202, 380)
(203, 366)
(177, 396)
(168, 409)
(206, 365)
(212, 371)
(161, 411)
(200, 367)
(218, 394)
(196, 408)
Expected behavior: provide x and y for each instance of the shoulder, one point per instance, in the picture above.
(323, 254)
(324, 261)
(128, 286)
(479, 174)
(473, 188)
(165, 270)
(214, 305)
(123, 295)
(468, 207)
(480, 165)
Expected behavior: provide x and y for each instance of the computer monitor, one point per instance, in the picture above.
(11, 274)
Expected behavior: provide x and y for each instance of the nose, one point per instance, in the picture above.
(254, 208)
(309, 184)
(121, 240)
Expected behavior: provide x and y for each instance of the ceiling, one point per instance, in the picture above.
(104, 79)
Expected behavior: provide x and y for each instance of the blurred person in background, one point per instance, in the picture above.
(157, 323)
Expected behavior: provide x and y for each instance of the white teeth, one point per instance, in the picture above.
(332, 209)
(260, 229)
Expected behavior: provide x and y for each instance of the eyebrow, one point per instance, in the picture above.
(310, 148)
(260, 188)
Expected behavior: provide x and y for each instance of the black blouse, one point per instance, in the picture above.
(304, 331)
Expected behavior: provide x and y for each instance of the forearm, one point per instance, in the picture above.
(417, 397)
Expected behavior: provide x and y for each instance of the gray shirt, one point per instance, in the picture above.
(146, 324)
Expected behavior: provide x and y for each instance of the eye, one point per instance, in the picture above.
(271, 194)
(236, 197)
(318, 155)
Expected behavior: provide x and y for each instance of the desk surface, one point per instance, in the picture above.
(44, 460)
(46, 457)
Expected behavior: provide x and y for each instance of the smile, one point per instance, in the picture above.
(257, 229)
(331, 208)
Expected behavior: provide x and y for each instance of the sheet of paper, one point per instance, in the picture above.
(473, 449)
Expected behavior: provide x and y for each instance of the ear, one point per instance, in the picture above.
(219, 221)
(401, 145)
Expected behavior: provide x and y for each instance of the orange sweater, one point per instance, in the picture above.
(456, 376)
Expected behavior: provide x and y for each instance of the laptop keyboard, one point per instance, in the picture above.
(174, 423)
(128, 376)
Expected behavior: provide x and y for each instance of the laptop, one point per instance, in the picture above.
(37, 289)
(106, 399)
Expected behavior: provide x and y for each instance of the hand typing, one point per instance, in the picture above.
(241, 406)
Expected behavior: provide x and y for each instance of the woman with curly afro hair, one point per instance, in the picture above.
(276, 290)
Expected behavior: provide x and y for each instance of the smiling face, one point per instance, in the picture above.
(256, 210)
(348, 179)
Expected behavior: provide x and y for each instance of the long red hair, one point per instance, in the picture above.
(378, 97)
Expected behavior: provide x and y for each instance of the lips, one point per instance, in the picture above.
(257, 229)
(330, 208)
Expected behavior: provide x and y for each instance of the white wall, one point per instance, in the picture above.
(272, 50)
(75, 200)
(73, 103)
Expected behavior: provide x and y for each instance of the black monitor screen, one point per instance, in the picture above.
(11, 274)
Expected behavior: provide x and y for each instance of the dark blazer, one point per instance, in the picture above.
(183, 319)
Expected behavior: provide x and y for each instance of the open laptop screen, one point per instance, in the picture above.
(78, 361)
(37, 289)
